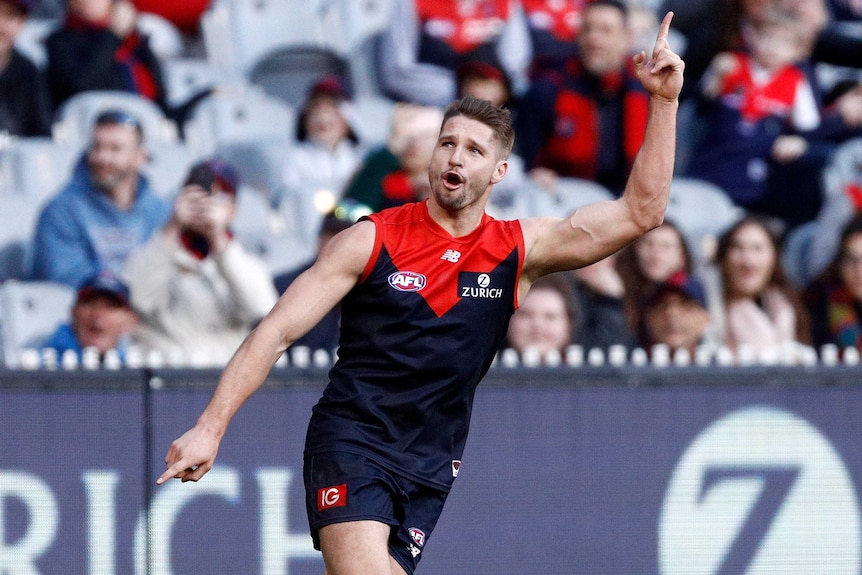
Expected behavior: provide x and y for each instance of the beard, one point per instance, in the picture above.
(454, 200)
(107, 180)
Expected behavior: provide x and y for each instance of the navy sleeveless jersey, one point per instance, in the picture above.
(418, 332)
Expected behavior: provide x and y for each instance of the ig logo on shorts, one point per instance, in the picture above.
(760, 491)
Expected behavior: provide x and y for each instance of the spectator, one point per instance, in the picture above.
(397, 173)
(102, 319)
(758, 105)
(762, 311)
(599, 295)
(713, 26)
(199, 293)
(427, 40)
(24, 107)
(326, 154)
(648, 262)
(485, 81)
(588, 121)
(543, 322)
(676, 315)
(835, 297)
(325, 334)
(553, 26)
(106, 210)
(99, 47)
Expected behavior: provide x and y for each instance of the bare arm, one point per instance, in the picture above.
(598, 230)
(308, 299)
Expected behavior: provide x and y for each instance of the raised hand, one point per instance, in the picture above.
(662, 73)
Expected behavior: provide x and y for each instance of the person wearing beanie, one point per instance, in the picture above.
(102, 319)
(198, 291)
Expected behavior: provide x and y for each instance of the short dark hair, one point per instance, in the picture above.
(618, 4)
(114, 117)
(498, 119)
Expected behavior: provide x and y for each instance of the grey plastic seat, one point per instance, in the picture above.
(30, 312)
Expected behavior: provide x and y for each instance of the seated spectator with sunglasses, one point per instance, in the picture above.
(105, 211)
(197, 290)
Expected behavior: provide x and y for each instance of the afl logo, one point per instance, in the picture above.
(417, 536)
(407, 281)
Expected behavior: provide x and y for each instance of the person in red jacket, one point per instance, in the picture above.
(99, 47)
(586, 119)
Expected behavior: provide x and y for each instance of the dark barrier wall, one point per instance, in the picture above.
(593, 471)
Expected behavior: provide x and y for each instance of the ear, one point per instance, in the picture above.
(499, 171)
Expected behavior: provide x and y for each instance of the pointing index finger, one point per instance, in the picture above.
(664, 28)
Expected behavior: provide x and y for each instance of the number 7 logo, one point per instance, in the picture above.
(776, 483)
(760, 491)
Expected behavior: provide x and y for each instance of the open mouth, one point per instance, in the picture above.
(452, 179)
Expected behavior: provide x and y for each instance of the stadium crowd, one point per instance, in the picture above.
(177, 170)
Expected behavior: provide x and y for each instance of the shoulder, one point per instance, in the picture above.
(69, 199)
(352, 246)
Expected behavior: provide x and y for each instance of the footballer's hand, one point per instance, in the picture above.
(191, 455)
(662, 73)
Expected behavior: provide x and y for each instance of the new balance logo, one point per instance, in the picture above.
(451, 256)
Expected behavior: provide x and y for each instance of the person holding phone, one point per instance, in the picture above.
(197, 290)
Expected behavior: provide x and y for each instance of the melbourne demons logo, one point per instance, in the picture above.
(407, 281)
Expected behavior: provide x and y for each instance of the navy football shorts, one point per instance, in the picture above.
(343, 487)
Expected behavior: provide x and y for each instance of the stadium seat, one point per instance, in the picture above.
(238, 115)
(702, 211)
(168, 167)
(570, 194)
(31, 311)
(75, 117)
(371, 117)
(238, 33)
(36, 167)
(270, 230)
(842, 186)
(165, 39)
(17, 224)
(289, 71)
(796, 254)
(259, 163)
(187, 77)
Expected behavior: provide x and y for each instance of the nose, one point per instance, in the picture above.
(455, 157)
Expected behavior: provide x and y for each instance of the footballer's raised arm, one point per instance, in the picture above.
(595, 231)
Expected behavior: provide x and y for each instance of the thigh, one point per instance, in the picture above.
(358, 548)
(342, 487)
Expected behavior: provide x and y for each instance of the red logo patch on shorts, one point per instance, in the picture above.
(335, 496)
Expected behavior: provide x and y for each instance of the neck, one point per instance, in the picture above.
(124, 194)
(459, 222)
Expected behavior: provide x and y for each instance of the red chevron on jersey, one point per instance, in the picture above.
(450, 268)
